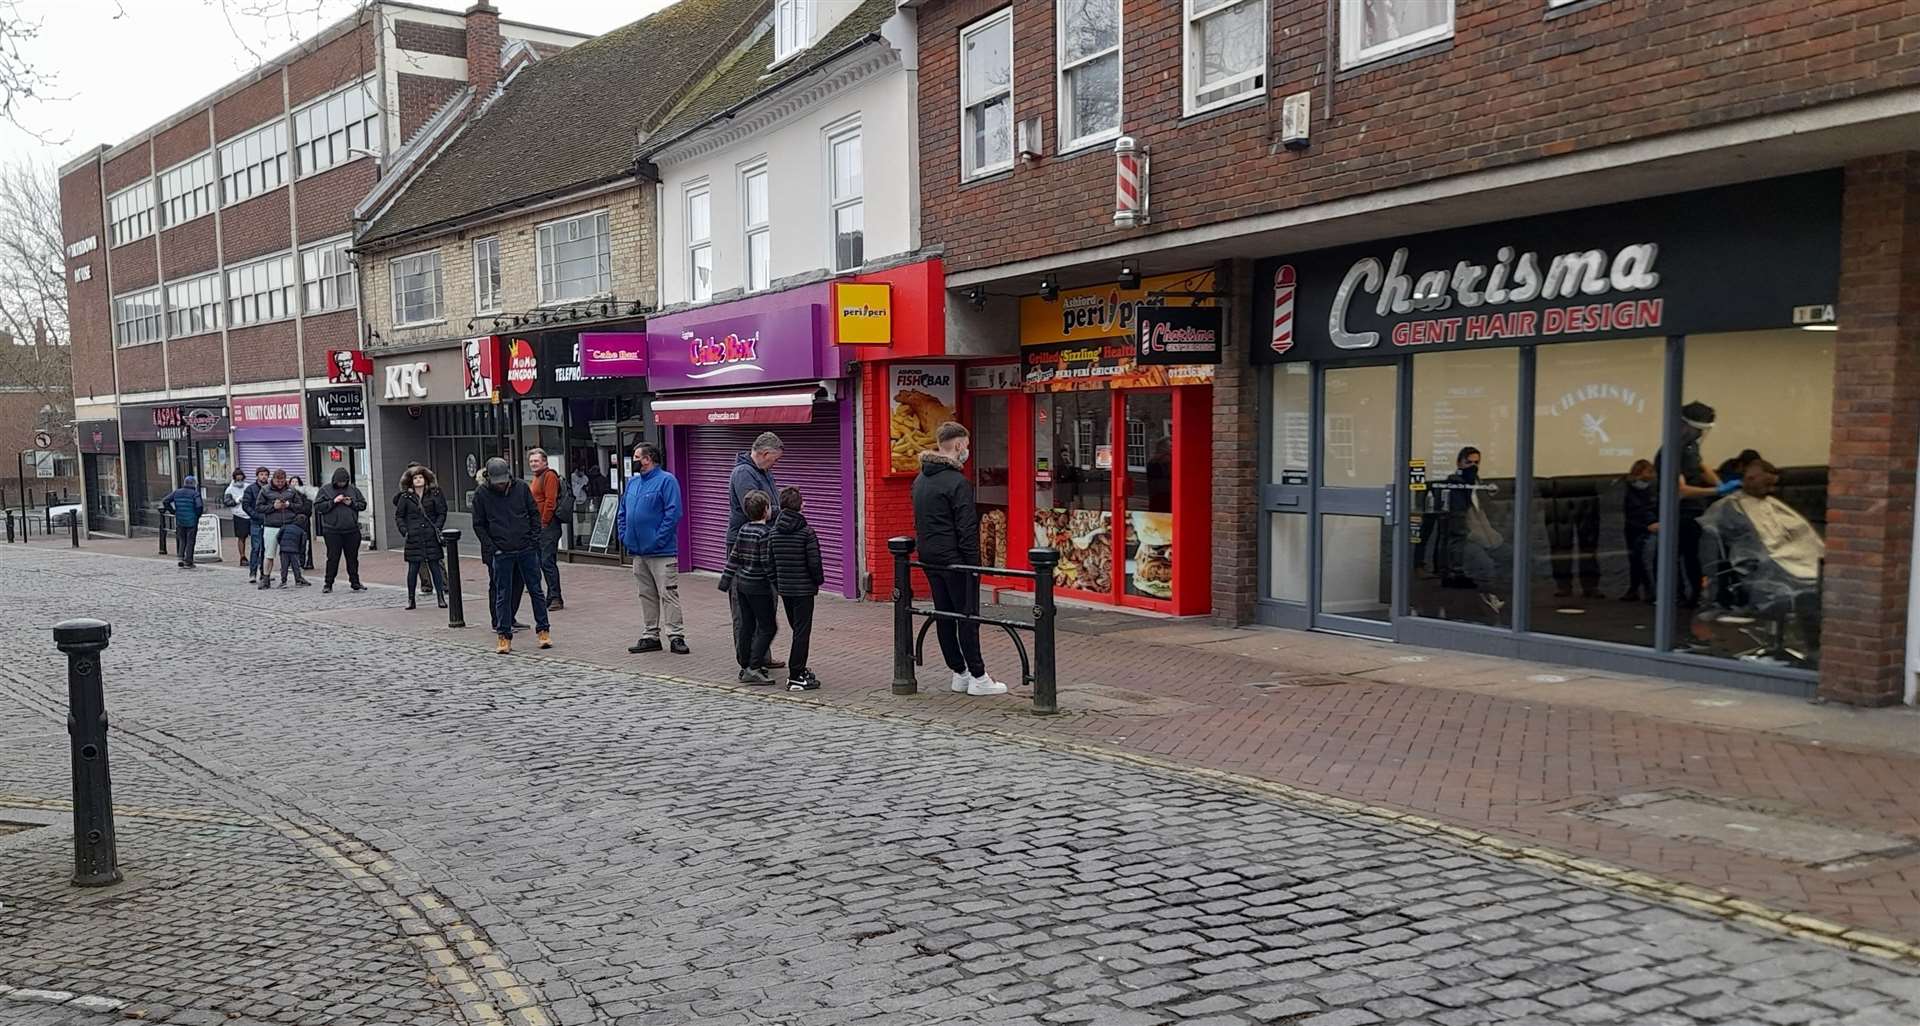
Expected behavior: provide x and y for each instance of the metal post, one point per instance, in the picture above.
(456, 612)
(96, 860)
(48, 528)
(904, 681)
(163, 531)
(9, 527)
(73, 526)
(1045, 703)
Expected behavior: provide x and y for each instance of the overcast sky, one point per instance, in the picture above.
(122, 65)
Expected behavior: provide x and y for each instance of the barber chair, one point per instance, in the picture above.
(1759, 608)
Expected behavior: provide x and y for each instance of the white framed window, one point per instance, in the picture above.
(1226, 51)
(187, 191)
(327, 131)
(136, 317)
(1372, 29)
(260, 291)
(326, 276)
(193, 306)
(699, 242)
(756, 244)
(986, 95)
(575, 258)
(1088, 53)
(486, 275)
(792, 27)
(130, 214)
(415, 280)
(253, 163)
(846, 198)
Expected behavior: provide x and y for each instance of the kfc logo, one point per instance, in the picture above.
(481, 356)
(403, 381)
(348, 366)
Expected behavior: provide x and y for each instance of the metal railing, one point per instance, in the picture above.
(908, 648)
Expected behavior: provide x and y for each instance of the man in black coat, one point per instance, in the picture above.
(946, 529)
(507, 523)
(339, 506)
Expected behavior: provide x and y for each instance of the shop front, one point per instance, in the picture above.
(586, 419)
(723, 374)
(100, 472)
(1466, 434)
(268, 431)
(336, 438)
(165, 443)
(443, 408)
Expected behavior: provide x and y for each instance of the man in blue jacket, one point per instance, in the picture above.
(649, 526)
(186, 505)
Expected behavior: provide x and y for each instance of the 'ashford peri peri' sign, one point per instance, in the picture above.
(1740, 258)
(753, 347)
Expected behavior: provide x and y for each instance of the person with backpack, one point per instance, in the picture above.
(420, 513)
(554, 500)
(339, 507)
(186, 505)
(797, 577)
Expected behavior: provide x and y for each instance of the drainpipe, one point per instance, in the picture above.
(1912, 696)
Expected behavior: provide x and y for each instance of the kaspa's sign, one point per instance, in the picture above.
(1742, 258)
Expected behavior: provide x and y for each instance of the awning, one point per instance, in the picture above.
(737, 408)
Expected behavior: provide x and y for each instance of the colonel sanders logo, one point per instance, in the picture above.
(347, 366)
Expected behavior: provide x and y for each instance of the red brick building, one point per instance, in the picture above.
(1474, 261)
(209, 273)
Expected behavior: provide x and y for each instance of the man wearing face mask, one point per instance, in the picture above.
(946, 529)
(1698, 487)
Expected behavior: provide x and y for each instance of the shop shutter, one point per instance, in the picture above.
(288, 456)
(811, 464)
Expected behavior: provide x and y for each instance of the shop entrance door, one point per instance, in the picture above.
(1357, 447)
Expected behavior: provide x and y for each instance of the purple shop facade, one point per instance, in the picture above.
(722, 374)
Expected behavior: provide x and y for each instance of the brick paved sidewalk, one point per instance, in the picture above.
(1527, 751)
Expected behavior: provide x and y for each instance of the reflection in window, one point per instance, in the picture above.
(1461, 525)
(1292, 422)
(1073, 486)
(1760, 545)
(990, 469)
(1597, 415)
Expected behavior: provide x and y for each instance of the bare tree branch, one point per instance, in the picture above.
(33, 290)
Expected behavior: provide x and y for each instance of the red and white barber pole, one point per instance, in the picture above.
(1283, 308)
(1129, 183)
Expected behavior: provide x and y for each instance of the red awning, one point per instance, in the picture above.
(737, 408)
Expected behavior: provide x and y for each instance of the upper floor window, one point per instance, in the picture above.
(699, 243)
(1089, 55)
(193, 306)
(847, 199)
(757, 245)
(1227, 51)
(416, 287)
(486, 276)
(575, 258)
(792, 27)
(326, 276)
(986, 95)
(328, 132)
(1372, 29)
(130, 214)
(260, 291)
(136, 317)
(187, 191)
(254, 163)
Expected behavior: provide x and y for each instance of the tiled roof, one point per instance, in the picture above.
(571, 119)
(746, 76)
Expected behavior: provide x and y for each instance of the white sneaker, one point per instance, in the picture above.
(960, 682)
(985, 685)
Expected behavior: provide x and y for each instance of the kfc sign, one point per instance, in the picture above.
(348, 366)
(480, 358)
(404, 381)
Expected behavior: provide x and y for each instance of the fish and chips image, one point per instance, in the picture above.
(915, 417)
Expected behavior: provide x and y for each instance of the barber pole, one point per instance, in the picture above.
(1129, 183)
(1283, 308)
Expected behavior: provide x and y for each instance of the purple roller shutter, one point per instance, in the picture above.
(812, 463)
(288, 456)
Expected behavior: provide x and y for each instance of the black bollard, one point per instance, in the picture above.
(9, 527)
(1045, 703)
(904, 681)
(163, 532)
(96, 859)
(456, 612)
(73, 526)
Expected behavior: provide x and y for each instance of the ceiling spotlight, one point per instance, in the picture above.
(977, 297)
(1049, 288)
(1129, 275)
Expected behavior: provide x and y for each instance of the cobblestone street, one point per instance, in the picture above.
(325, 822)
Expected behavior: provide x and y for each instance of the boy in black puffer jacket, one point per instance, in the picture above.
(797, 578)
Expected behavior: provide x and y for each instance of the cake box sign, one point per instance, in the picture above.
(613, 354)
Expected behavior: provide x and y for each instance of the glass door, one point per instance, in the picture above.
(1147, 574)
(1073, 488)
(1357, 452)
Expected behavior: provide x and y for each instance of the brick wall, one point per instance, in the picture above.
(1876, 417)
(142, 368)
(326, 200)
(483, 49)
(188, 249)
(327, 331)
(340, 61)
(1236, 464)
(630, 222)
(187, 139)
(886, 503)
(421, 97)
(263, 352)
(1513, 85)
(88, 317)
(421, 37)
(196, 361)
(249, 108)
(135, 266)
(128, 168)
(19, 419)
(256, 227)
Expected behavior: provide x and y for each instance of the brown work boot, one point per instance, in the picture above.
(503, 647)
(546, 639)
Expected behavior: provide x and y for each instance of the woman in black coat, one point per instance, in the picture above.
(419, 512)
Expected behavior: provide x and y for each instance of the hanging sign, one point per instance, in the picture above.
(348, 366)
(610, 354)
(523, 368)
(1173, 335)
(480, 368)
(863, 313)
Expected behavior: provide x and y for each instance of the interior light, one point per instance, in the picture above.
(1819, 327)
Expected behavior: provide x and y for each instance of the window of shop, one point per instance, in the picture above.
(1089, 58)
(699, 242)
(986, 95)
(130, 214)
(1465, 436)
(136, 318)
(104, 501)
(186, 191)
(575, 258)
(327, 273)
(1372, 29)
(260, 291)
(461, 439)
(848, 199)
(1226, 43)
(1289, 446)
(193, 306)
(991, 469)
(416, 288)
(1073, 485)
(253, 163)
(757, 246)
